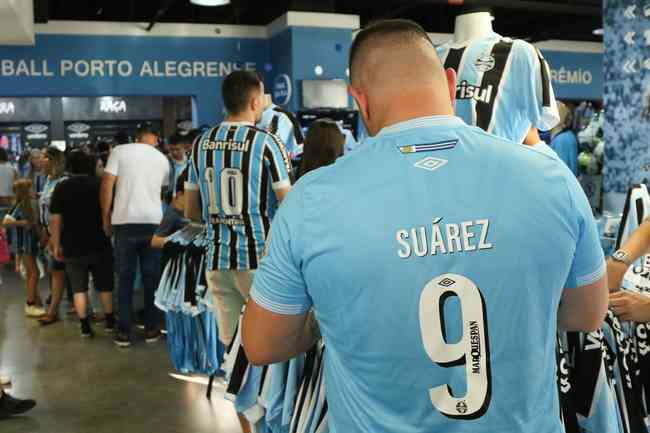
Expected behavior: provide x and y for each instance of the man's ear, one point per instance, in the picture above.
(361, 100)
(451, 83)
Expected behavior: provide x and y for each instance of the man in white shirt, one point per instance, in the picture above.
(134, 177)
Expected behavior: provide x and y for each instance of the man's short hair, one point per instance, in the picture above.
(386, 28)
(145, 129)
(237, 89)
(79, 162)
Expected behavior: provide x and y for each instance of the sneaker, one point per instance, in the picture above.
(34, 311)
(152, 336)
(86, 331)
(122, 340)
(4, 380)
(10, 406)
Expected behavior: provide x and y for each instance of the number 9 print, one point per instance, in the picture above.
(472, 350)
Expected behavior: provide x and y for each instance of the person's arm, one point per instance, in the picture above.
(270, 337)
(584, 300)
(106, 201)
(277, 325)
(532, 138)
(279, 166)
(193, 205)
(583, 308)
(637, 245)
(56, 224)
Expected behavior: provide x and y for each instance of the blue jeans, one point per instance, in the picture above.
(133, 242)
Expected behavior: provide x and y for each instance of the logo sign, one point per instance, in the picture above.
(282, 89)
(7, 108)
(36, 131)
(431, 164)
(78, 130)
(110, 105)
(485, 63)
(185, 125)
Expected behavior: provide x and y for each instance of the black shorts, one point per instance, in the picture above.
(56, 265)
(100, 265)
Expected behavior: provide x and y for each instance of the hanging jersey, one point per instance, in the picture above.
(619, 357)
(503, 86)
(237, 167)
(414, 253)
(284, 124)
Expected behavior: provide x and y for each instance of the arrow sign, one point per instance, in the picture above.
(630, 12)
(629, 38)
(630, 66)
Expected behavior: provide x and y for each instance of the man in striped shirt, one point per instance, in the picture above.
(239, 173)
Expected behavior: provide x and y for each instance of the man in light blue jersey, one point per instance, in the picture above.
(284, 124)
(240, 173)
(434, 272)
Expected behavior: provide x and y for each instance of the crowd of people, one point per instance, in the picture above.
(93, 216)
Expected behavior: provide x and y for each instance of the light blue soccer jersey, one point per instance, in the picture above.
(236, 167)
(503, 86)
(389, 244)
(283, 124)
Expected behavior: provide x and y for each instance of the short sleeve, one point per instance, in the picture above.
(588, 264)
(540, 103)
(56, 201)
(279, 284)
(192, 183)
(113, 163)
(277, 162)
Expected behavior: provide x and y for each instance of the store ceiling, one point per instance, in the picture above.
(533, 20)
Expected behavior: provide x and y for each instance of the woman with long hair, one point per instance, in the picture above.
(23, 217)
(54, 166)
(323, 145)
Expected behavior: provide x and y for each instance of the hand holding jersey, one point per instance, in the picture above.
(431, 238)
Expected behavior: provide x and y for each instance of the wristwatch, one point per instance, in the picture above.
(621, 256)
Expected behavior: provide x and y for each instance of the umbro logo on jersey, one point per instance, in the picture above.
(485, 63)
(461, 407)
(430, 163)
(446, 282)
(429, 147)
(468, 91)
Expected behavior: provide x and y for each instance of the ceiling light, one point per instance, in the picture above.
(598, 32)
(210, 2)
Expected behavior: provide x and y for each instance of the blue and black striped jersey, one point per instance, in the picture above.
(503, 86)
(236, 167)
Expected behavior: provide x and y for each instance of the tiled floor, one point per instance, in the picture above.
(90, 386)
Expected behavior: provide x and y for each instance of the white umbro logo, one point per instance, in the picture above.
(430, 163)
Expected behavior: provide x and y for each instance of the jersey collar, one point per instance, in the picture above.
(243, 122)
(421, 122)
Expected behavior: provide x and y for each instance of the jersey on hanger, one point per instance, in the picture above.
(503, 86)
(237, 167)
(284, 124)
(411, 268)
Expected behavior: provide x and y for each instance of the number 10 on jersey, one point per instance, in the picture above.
(472, 350)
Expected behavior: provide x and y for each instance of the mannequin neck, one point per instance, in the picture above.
(470, 27)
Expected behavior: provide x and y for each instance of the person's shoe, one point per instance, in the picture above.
(152, 336)
(34, 311)
(86, 330)
(48, 320)
(122, 340)
(4, 380)
(10, 406)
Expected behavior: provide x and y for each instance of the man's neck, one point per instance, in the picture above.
(405, 109)
(243, 117)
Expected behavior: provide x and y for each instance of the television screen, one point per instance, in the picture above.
(324, 94)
